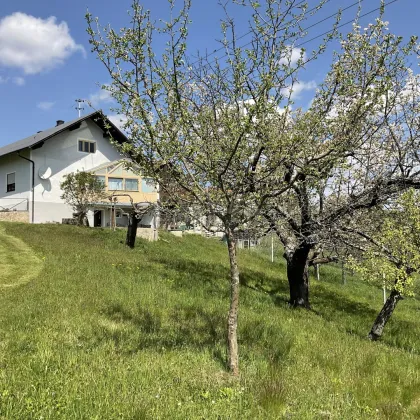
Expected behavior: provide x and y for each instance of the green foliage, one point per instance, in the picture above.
(106, 332)
(211, 123)
(225, 133)
(356, 140)
(394, 254)
(207, 131)
(81, 190)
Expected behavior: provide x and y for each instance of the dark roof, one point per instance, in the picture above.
(41, 136)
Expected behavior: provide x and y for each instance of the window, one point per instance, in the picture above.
(11, 186)
(115, 184)
(131, 184)
(101, 179)
(87, 146)
(147, 185)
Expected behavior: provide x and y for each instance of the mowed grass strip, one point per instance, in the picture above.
(18, 262)
(106, 332)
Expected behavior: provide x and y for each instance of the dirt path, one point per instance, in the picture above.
(18, 263)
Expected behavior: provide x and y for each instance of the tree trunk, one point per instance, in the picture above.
(232, 337)
(130, 239)
(297, 275)
(384, 315)
(80, 218)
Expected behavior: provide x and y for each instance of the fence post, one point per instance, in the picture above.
(343, 273)
(272, 247)
(384, 289)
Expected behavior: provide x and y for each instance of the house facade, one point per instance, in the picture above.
(123, 188)
(32, 169)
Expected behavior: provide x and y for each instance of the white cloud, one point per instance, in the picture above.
(118, 120)
(100, 97)
(292, 55)
(298, 88)
(45, 106)
(34, 44)
(20, 81)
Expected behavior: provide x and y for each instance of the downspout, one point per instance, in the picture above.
(33, 185)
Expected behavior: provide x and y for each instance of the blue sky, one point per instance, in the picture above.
(40, 77)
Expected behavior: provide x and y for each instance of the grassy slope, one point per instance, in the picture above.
(104, 332)
(19, 264)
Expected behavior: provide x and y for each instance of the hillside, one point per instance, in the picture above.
(94, 330)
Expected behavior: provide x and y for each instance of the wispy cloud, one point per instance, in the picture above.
(118, 120)
(20, 81)
(292, 55)
(45, 106)
(100, 97)
(34, 44)
(297, 88)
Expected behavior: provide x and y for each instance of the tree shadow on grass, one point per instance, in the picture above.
(194, 274)
(354, 316)
(194, 326)
(179, 327)
(399, 333)
(187, 326)
(402, 334)
(332, 305)
(277, 290)
(208, 275)
(215, 277)
(328, 301)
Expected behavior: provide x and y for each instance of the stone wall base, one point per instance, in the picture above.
(177, 233)
(147, 233)
(14, 216)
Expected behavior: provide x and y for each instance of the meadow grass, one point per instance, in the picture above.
(104, 332)
(19, 264)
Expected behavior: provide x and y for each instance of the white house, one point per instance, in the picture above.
(32, 169)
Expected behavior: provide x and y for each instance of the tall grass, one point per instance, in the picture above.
(104, 332)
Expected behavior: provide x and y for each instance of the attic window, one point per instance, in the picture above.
(131, 184)
(11, 186)
(87, 146)
(115, 184)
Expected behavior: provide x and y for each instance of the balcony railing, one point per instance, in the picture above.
(14, 204)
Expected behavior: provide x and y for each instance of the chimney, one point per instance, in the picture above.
(59, 122)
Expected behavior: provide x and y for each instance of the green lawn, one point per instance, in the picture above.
(97, 331)
(19, 264)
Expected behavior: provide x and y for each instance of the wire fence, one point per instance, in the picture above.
(14, 204)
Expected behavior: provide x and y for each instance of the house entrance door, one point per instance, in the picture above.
(97, 218)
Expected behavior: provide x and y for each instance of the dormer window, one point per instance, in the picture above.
(86, 146)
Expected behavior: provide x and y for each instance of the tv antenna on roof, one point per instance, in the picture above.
(79, 108)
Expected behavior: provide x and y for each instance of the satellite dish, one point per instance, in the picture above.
(44, 172)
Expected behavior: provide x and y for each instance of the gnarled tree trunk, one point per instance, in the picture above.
(130, 239)
(297, 275)
(232, 336)
(81, 218)
(384, 315)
